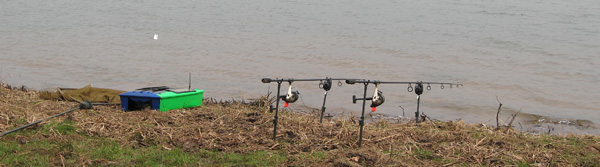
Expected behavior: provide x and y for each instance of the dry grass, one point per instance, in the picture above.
(243, 127)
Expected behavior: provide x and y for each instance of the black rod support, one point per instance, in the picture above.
(362, 117)
(276, 111)
(417, 113)
(354, 99)
(323, 107)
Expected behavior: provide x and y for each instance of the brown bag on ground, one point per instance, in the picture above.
(87, 93)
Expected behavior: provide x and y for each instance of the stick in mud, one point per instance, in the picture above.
(513, 116)
(498, 113)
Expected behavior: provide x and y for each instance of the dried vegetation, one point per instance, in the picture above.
(244, 127)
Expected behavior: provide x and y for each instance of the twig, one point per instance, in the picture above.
(494, 154)
(425, 118)
(477, 159)
(498, 113)
(3, 156)
(62, 160)
(521, 126)
(386, 137)
(402, 110)
(450, 164)
(480, 141)
(512, 119)
(276, 144)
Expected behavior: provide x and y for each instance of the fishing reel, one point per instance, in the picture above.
(290, 96)
(377, 99)
(326, 85)
(418, 88)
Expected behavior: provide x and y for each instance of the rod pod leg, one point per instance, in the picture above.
(323, 107)
(362, 117)
(417, 113)
(276, 111)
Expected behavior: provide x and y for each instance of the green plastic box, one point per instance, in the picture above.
(179, 100)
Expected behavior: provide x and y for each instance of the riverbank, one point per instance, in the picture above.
(239, 133)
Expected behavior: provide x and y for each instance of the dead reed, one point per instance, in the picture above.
(240, 127)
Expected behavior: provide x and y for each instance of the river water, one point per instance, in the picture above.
(537, 56)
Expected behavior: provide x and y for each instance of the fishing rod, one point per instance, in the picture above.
(292, 96)
(377, 99)
(418, 89)
(82, 105)
(350, 81)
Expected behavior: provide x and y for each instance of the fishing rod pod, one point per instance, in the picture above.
(293, 96)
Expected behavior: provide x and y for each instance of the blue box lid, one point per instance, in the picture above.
(145, 94)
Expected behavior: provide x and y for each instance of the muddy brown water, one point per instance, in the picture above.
(540, 57)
